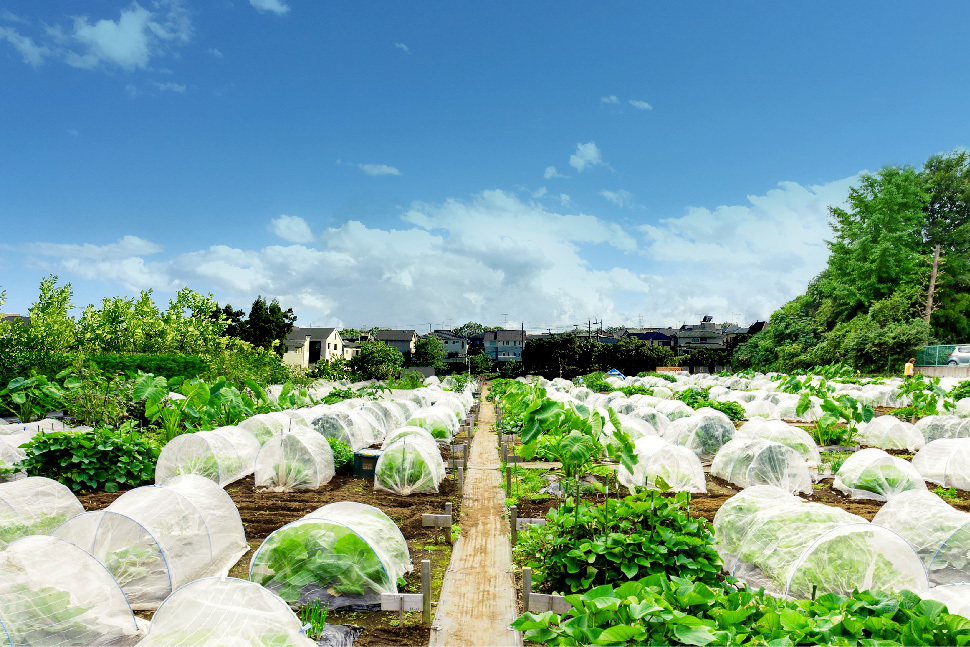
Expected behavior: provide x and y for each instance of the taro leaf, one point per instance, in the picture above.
(621, 634)
(694, 635)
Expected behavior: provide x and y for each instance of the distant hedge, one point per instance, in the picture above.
(187, 366)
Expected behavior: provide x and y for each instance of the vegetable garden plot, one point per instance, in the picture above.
(34, 506)
(760, 409)
(410, 464)
(738, 514)
(222, 455)
(53, 593)
(956, 597)
(756, 461)
(636, 427)
(889, 432)
(703, 434)
(154, 539)
(225, 612)
(874, 474)
(264, 425)
(657, 459)
(293, 460)
(945, 462)
(441, 422)
(937, 427)
(341, 554)
(11, 456)
(652, 417)
(674, 409)
(786, 434)
(802, 549)
(938, 532)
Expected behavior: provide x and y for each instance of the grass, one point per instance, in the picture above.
(833, 461)
(949, 494)
(525, 483)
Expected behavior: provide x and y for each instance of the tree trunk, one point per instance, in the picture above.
(932, 288)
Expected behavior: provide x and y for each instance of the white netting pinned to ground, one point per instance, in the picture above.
(738, 514)
(339, 424)
(702, 433)
(34, 506)
(889, 432)
(673, 409)
(635, 427)
(801, 549)
(786, 434)
(756, 461)
(760, 409)
(11, 456)
(956, 597)
(936, 427)
(938, 532)
(222, 455)
(52, 593)
(440, 421)
(154, 539)
(225, 612)
(264, 425)
(945, 462)
(874, 474)
(412, 463)
(297, 459)
(678, 466)
(341, 554)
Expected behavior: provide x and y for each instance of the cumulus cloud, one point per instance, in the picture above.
(552, 173)
(538, 193)
(291, 228)
(620, 198)
(171, 87)
(586, 156)
(32, 53)
(640, 105)
(215, 52)
(378, 169)
(275, 6)
(612, 99)
(404, 48)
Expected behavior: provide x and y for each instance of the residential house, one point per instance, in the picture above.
(11, 318)
(307, 346)
(401, 340)
(456, 346)
(705, 335)
(504, 345)
(351, 350)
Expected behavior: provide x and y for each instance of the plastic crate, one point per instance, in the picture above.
(365, 462)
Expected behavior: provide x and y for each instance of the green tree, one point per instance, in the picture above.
(268, 325)
(429, 351)
(235, 320)
(377, 361)
(188, 327)
(52, 329)
(480, 363)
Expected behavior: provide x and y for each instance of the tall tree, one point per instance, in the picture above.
(268, 325)
(429, 351)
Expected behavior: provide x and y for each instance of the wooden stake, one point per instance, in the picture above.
(461, 481)
(526, 588)
(426, 591)
(514, 518)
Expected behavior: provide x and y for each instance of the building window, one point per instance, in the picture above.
(695, 340)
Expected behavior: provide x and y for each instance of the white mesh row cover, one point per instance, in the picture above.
(339, 424)
(945, 462)
(652, 417)
(298, 459)
(874, 474)
(410, 464)
(936, 427)
(938, 532)
(11, 456)
(738, 514)
(760, 409)
(756, 461)
(956, 597)
(225, 612)
(38, 426)
(673, 409)
(702, 433)
(154, 539)
(803, 548)
(786, 434)
(263, 426)
(963, 408)
(341, 554)
(678, 466)
(407, 430)
(441, 422)
(34, 506)
(889, 432)
(53, 593)
(635, 427)
(222, 455)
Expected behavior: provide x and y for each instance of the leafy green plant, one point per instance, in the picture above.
(700, 398)
(618, 540)
(960, 391)
(661, 610)
(31, 398)
(663, 376)
(47, 615)
(314, 614)
(950, 494)
(635, 390)
(924, 393)
(343, 456)
(102, 459)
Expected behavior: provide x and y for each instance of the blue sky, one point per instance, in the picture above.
(403, 164)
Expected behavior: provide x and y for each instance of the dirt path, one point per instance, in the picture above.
(477, 601)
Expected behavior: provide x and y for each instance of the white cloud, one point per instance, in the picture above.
(73, 132)
(276, 6)
(620, 198)
(538, 193)
(32, 53)
(565, 200)
(378, 169)
(404, 48)
(215, 52)
(291, 228)
(131, 91)
(11, 17)
(640, 105)
(612, 99)
(130, 42)
(586, 156)
(552, 173)
(171, 87)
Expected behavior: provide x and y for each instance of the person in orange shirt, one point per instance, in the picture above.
(910, 367)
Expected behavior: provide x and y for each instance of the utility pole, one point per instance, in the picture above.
(929, 293)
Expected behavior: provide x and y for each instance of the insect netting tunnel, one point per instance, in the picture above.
(440, 421)
(225, 612)
(874, 474)
(222, 455)
(756, 461)
(410, 464)
(53, 593)
(799, 549)
(34, 506)
(657, 460)
(956, 597)
(938, 532)
(154, 539)
(341, 554)
(945, 462)
(298, 459)
(937, 427)
(789, 435)
(263, 426)
(12, 455)
(703, 433)
(889, 432)
(340, 424)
